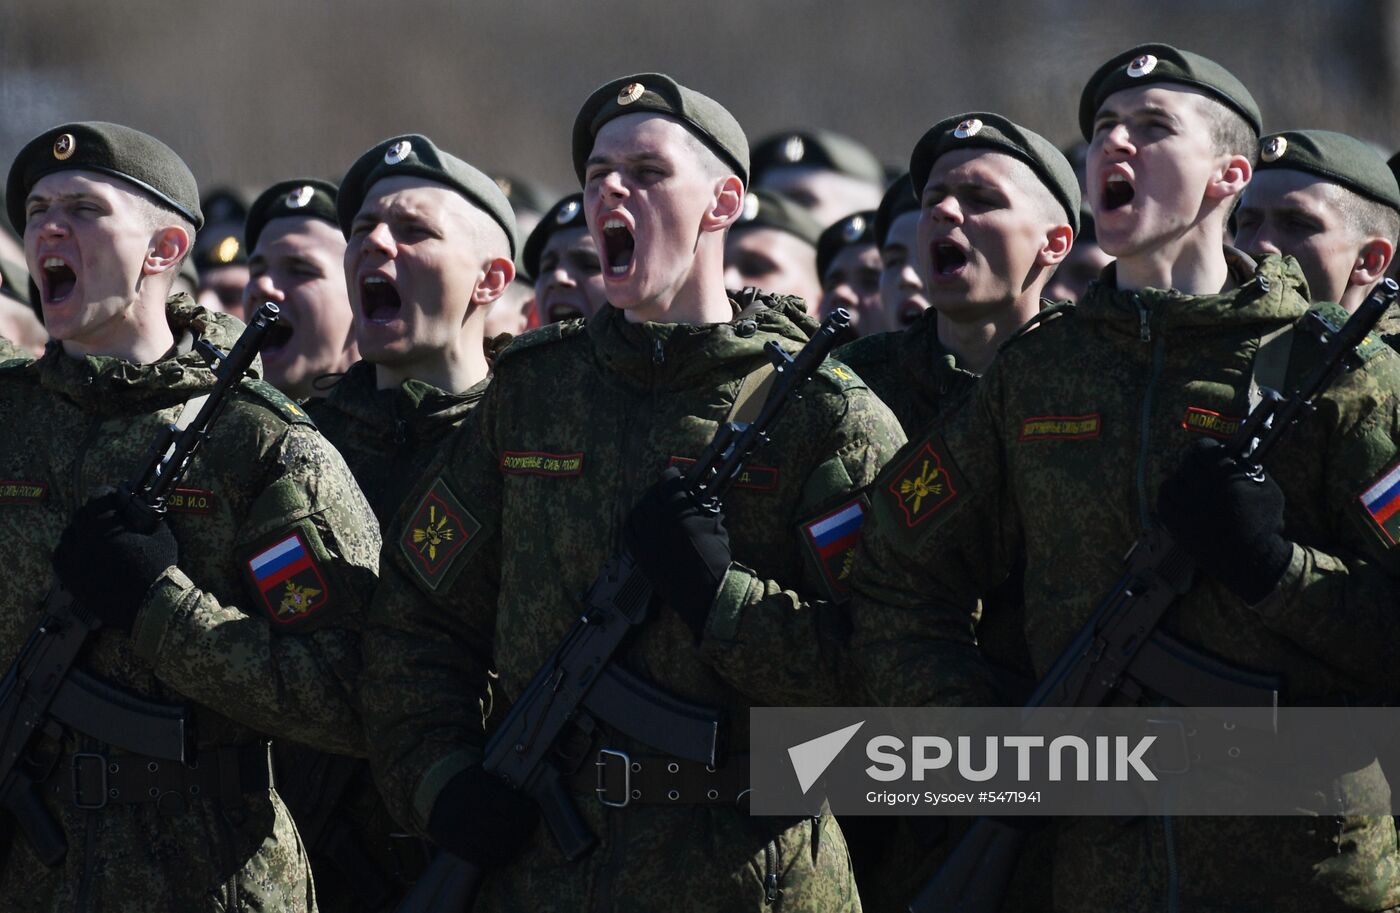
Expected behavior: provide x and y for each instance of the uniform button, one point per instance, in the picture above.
(746, 328)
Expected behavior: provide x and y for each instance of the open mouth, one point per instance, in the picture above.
(618, 247)
(59, 280)
(379, 299)
(278, 336)
(1117, 192)
(562, 310)
(948, 258)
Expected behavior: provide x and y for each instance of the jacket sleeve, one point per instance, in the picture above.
(787, 641)
(1337, 599)
(939, 537)
(286, 665)
(427, 686)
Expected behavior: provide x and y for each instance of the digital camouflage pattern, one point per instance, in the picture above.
(911, 371)
(9, 351)
(484, 570)
(388, 438)
(1063, 466)
(244, 663)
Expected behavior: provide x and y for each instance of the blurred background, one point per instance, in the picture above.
(257, 90)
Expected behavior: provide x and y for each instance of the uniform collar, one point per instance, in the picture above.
(1272, 290)
(108, 384)
(418, 404)
(678, 355)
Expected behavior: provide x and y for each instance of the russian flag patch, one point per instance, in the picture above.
(285, 575)
(831, 539)
(1381, 501)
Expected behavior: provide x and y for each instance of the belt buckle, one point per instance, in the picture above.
(601, 763)
(76, 770)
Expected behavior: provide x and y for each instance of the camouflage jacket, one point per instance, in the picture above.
(246, 653)
(911, 371)
(1064, 465)
(388, 437)
(517, 520)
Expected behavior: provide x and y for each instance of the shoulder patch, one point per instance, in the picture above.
(831, 541)
(1049, 310)
(278, 401)
(923, 485)
(437, 534)
(550, 332)
(839, 374)
(286, 574)
(1381, 503)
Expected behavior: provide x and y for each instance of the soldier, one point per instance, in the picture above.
(745, 608)
(431, 244)
(829, 175)
(220, 257)
(241, 610)
(527, 200)
(563, 260)
(773, 246)
(1085, 262)
(903, 292)
(11, 250)
(1328, 201)
(1065, 467)
(998, 208)
(848, 263)
(296, 261)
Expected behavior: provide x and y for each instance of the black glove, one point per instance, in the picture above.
(107, 565)
(1231, 524)
(683, 550)
(482, 819)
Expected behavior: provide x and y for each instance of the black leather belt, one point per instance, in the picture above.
(619, 779)
(90, 780)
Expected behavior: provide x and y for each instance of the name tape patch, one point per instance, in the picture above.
(286, 575)
(1060, 427)
(1203, 421)
(756, 478)
(532, 463)
(190, 501)
(18, 491)
(832, 538)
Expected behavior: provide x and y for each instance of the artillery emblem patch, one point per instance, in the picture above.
(437, 533)
(923, 486)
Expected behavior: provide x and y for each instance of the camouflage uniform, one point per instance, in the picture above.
(388, 438)
(10, 351)
(911, 371)
(1064, 466)
(243, 662)
(544, 483)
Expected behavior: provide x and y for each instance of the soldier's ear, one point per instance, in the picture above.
(1230, 178)
(727, 205)
(497, 276)
(168, 248)
(1058, 242)
(1371, 262)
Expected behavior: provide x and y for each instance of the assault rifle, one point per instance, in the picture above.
(550, 727)
(1119, 650)
(43, 690)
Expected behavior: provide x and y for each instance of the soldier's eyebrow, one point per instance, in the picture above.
(71, 196)
(631, 158)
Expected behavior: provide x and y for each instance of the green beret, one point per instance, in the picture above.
(660, 94)
(857, 228)
(770, 210)
(1334, 157)
(304, 197)
(414, 155)
(1152, 63)
(820, 149)
(567, 213)
(111, 149)
(522, 193)
(899, 198)
(14, 282)
(979, 129)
